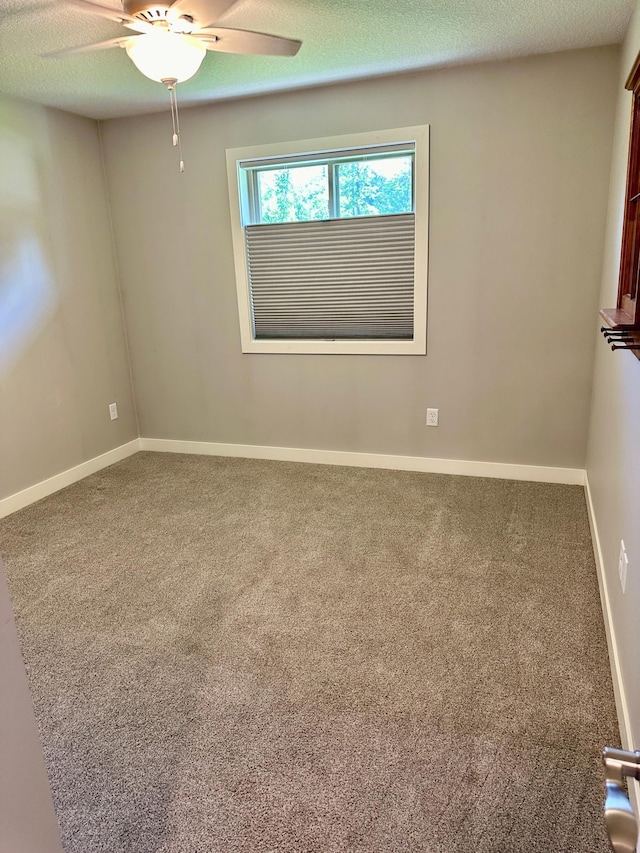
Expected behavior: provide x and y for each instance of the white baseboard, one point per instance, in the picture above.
(622, 706)
(425, 464)
(66, 478)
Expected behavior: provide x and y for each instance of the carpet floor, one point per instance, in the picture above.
(235, 655)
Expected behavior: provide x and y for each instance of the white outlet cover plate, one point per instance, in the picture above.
(432, 417)
(113, 411)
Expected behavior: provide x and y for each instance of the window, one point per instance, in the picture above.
(330, 243)
(625, 317)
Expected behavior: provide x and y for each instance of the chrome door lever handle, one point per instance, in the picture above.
(620, 820)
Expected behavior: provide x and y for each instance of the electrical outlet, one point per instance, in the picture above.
(623, 566)
(432, 417)
(113, 411)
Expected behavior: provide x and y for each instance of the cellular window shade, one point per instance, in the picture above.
(343, 279)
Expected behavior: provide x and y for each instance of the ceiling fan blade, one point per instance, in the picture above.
(204, 12)
(111, 14)
(87, 48)
(227, 40)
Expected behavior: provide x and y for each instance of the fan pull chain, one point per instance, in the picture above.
(175, 119)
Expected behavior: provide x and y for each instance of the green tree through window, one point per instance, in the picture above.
(375, 188)
(301, 193)
(294, 194)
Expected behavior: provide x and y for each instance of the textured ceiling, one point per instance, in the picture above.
(342, 40)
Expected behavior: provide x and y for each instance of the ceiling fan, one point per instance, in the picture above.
(183, 22)
(173, 38)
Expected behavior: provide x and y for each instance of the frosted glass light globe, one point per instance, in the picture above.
(166, 56)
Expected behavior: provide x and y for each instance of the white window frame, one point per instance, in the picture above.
(418, 345)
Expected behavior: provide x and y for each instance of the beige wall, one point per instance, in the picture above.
(614, 449)
(520, 166)
(63, 357)
(520, 160)
(27, 820)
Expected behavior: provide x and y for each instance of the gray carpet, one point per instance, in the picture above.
(234, 655)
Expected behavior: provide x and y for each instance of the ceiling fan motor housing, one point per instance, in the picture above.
(146, 11)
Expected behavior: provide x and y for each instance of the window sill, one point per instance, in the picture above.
(336, 347)
(617, 319)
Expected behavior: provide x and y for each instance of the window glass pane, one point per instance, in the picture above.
(375, 187)
(294, 194)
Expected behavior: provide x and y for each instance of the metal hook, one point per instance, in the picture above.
(617, 333)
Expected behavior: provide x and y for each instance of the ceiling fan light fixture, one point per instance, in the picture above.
(166, 56)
